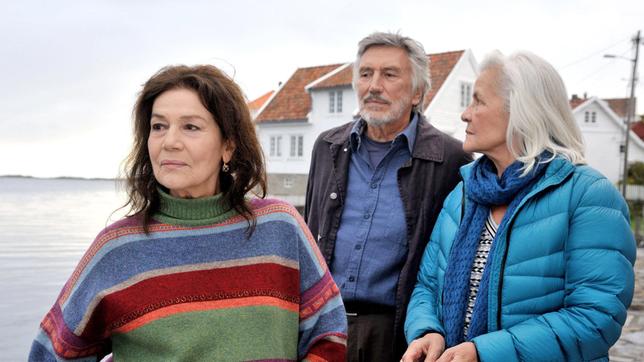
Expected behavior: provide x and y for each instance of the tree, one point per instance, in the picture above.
(636, 177)
(635, 173)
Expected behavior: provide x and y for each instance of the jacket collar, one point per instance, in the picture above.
(429, 144)
(557, 171)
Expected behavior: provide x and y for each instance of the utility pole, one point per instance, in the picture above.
(631, 110)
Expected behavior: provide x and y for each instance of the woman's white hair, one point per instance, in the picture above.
(537, 103)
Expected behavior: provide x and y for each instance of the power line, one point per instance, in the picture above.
(593, 54)
(600, 69)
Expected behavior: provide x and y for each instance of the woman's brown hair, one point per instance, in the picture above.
(226, 102)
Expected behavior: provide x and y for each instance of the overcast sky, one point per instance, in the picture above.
(70, 70)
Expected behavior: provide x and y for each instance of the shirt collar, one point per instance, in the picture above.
(408, 134)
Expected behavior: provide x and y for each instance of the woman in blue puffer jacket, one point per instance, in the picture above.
(531, 258)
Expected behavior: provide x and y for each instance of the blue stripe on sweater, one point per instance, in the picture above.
(139, 255)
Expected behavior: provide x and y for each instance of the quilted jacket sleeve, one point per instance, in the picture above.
(599, 257)
(423, 311)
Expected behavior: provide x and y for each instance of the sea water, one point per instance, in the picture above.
(45, 227)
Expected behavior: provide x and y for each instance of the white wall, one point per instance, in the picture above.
(285, 163)
(322, 119)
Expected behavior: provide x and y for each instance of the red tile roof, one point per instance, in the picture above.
(638, 128)
(619, 105)
(292, 102)
(339, 79)
(259, 102)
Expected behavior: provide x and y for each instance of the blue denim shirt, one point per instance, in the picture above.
(371, 245)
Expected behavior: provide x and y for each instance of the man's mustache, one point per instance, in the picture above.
(375, 98)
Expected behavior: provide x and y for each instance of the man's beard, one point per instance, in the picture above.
(396, 110)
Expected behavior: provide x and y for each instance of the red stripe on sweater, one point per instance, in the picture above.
(123, 306)
(325, 349)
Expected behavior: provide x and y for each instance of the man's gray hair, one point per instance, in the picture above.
(537, 102)
(417, 57)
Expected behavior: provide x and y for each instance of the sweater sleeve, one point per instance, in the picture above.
(57, 340)
(599, 281)
(323, 323)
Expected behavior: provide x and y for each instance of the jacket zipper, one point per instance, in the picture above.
(503, 261)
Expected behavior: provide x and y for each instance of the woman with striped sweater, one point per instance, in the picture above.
(199, 271)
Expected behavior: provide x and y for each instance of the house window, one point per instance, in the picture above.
(297, 146)
(276, 146)
(590, 117)
(335, 101)
(288, 182)
(466, 94)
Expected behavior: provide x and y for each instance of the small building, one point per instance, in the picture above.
(317, 98)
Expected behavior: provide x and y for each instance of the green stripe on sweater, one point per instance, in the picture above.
(246, 333)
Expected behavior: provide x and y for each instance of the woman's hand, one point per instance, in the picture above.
(464, 352)
(430, 346)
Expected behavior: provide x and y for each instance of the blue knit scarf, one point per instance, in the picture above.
(483, 190)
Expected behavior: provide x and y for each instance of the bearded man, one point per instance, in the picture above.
(375, 188)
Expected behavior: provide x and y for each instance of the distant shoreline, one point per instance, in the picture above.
(62, 178)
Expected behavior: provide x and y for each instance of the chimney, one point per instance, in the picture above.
(574, 97)
(585, 95)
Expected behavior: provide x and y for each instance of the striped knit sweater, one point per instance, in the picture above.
(196, 288)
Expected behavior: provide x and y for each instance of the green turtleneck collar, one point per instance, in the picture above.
(192, 212)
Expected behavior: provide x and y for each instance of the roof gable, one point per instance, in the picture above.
(440, 66)
(618, 105)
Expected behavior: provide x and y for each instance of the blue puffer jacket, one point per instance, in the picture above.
(562, 276)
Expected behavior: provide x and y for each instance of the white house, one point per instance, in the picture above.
(602, 124)
(318, 98)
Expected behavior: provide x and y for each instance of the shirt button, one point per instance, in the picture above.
(366, 216)
(333, 196)
(352, 279)
(374, 185)
(358, 247)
